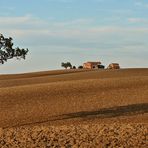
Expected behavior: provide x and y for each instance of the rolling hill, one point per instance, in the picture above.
(74, 97)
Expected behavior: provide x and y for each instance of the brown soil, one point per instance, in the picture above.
(74, 98)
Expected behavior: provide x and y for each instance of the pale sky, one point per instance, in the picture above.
(77, 31)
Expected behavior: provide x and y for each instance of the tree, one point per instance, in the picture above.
(8, 52)
(73, 67)
(80, 67)
(101, 66)
(66, 65)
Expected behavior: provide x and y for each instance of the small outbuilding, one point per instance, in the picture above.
(113, 66)
(91, 65)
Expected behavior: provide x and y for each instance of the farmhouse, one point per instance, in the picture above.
(113, 66)
(91, 65)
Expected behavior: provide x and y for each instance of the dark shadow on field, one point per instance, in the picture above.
(128, 110)
(112, 112)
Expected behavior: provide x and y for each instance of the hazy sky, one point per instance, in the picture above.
(58, 31)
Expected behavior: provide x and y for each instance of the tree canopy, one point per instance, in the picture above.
(8, 52)
(66, 65)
